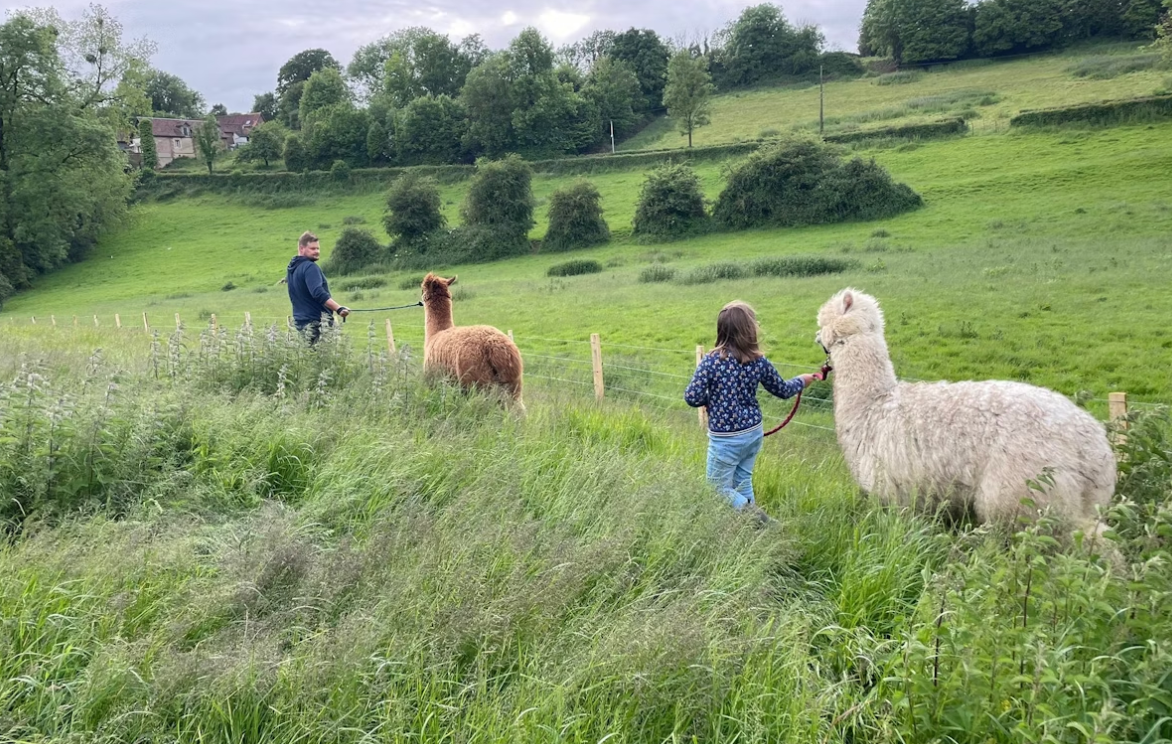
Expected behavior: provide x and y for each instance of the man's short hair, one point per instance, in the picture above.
(306, 238)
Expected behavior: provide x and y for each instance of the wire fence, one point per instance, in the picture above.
(654, 376)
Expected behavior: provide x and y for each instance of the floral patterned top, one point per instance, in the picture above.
(729, 389)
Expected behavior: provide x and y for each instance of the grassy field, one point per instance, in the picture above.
(226, 537)
(987, 93)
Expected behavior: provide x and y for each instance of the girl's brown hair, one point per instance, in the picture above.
(736, 332)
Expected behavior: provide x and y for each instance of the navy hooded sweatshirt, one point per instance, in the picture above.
(308, 290)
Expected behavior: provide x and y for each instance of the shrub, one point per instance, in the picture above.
(713, 273)
(805, 183)
(355, 250)
(501, 195)
(574, 268)
(295, 156)
(575, 218)
(414, 208)
(657, 273)
(411, 282)
(671, 203)
(1107, 112)
(228, 287)
(340, 171)
(801, 266)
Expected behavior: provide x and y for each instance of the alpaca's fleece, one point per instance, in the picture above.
(478, 355)
(971, 445)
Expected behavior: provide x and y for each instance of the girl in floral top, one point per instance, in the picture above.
(726, 382)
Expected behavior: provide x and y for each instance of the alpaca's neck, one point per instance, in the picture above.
(437, 316)
(862, 373)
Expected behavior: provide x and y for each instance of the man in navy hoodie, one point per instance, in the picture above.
(308, 290)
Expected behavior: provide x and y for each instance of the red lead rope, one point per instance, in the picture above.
(819, 375)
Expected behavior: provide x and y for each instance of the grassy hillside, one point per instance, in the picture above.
(1038, 255)
(985, 92)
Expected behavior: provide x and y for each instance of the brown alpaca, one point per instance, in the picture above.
(478, 355)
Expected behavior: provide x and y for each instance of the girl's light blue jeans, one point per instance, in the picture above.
(730, 465)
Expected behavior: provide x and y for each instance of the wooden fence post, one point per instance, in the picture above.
(53, 320)
(34, 319)
(214, 326)
(596, 360)
(702, 410)
(117, 320)
(1117, 412)
(95, 321)
(75, 321)
(390, 338)
(510, 333)
(145, 324)
(178, 323)
(247, 318)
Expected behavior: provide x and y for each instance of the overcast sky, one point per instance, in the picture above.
(230, 50)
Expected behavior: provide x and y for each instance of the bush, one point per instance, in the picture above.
(575, 218)
(294, 154)
(340, 171)
(801, 266)
(414, 208)
(805, 183)
(657, 273)
(355, 250)
(714, 273)
(671, 203)
(1107, 112)
(574, 268)
(501, 196)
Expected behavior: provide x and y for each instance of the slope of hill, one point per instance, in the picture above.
(985, 92)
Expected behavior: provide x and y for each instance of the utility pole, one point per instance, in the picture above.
(821, 102)
(612, 136)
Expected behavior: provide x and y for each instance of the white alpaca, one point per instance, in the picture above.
(966, 444)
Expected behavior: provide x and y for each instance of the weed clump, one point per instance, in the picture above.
(657, 273)
(575, 268)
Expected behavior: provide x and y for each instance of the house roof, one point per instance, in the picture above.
(174, 127)
(239, 124)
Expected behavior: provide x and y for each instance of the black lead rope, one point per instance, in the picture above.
(381, 309)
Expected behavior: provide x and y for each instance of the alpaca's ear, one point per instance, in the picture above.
(848, 301)
(452, 280)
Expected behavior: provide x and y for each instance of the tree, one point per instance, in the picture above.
(63, 180)
(689, 92)
(379, 148)
(917, 30)
(146, 139)
(671, 203)
(296, 159)
(614, 89)
(291, 81)
(414, 208)
(265, 104)
(1164, 32)
(1002, 26)
(489, 100)
(171, 97)
(218, 109)
(431, 131)
(324, 89)
(207, 141)
(647, 55)
(762, 43)
(1141, 18)
(265, 143)
(588, 52)
(501, 196)
(338, 133)
(414, 62)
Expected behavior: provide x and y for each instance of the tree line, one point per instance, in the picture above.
(924, 31)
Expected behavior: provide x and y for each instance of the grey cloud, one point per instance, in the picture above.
(230, 51)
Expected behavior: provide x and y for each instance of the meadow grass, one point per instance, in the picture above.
(1038, 81)
(354, 557)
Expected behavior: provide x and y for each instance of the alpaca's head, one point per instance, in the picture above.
(436, 287)
(846, 314)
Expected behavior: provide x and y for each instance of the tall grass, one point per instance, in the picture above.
(342, 556)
